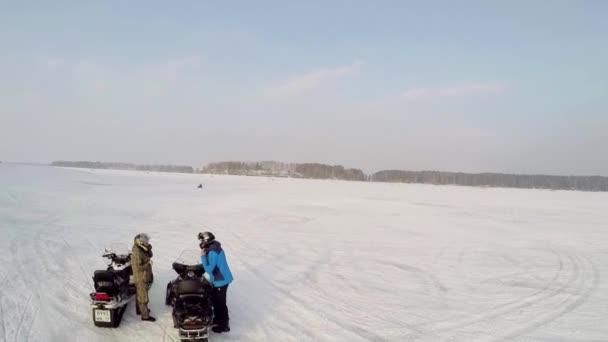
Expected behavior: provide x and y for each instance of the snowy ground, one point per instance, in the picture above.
(313, 260)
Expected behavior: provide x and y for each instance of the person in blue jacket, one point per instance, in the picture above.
(215, 264)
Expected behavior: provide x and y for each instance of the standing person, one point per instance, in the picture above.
(215, 264)
(142, 274)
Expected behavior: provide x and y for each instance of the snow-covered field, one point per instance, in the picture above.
(312, 260)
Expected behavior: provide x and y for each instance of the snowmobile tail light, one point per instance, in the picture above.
(102, 297)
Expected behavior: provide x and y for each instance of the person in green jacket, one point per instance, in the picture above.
(141, 263)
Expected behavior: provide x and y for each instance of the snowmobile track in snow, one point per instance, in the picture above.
(3, 319)
(364, 334)
(430, 278)
(583, 277)
(583, 292)
(23, 314)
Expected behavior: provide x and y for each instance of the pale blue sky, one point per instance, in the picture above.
(510, 86)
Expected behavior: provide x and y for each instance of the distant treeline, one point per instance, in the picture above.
(324, 171)
(277, 169)
(583, 183)
(124, 166)
(263, 168)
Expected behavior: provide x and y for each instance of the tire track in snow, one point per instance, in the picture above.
(41, 254)
(517, 264)
(497, 279)
(582, 296)
(363, 333)
(538, 298)
(545, 288)
(35, 315)
(432, 282)
(14, 257)
(257, 274)
(35, 252)
(2, 318)
(439, 255)
(286, 294)
(386, 323)
(87, 281)
(575, 276)
(328, 260)
(524, 299)
(165, 332)
(429, 277)
(18, 258)
(310, 275)
(23, 314)
(290, 323)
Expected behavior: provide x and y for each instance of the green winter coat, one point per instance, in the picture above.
(140, 262)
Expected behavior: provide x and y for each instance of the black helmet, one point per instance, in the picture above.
(206, 239)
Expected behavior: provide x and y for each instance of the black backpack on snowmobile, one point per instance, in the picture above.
(190, 296)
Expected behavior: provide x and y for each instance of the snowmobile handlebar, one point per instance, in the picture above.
(117, 258)
(109, 255)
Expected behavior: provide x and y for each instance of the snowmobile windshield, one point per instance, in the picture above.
(118, 248)
(188, 265)
(190, 257)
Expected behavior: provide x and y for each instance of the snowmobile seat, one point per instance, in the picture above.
(184, 299)
(105, 282)
(190, 286)
(192, 305)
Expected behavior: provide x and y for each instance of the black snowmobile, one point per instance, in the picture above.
(190, 296)
(114, 289)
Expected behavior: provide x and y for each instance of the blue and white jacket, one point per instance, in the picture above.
(216, 266)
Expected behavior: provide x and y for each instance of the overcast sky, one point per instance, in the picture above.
(506, 86)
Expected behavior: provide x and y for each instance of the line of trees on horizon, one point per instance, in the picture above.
(278, 169)
(582, 183)
(124, 166)
(325, 171)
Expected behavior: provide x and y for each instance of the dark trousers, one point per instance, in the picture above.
(220, 310)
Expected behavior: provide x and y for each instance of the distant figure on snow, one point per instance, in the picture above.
(215, 265)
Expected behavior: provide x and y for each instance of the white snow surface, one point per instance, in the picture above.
(313, 260)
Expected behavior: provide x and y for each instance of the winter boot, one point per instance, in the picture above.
(220, 329)
(149, 319)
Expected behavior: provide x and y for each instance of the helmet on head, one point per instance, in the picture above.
(206, 239)
(143, 238)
